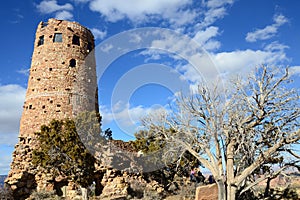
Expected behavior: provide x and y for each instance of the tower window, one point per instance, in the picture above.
(57, 37)
(89, 47)
(41, 40)
(44, 24)
(72, 63)
(76, 40)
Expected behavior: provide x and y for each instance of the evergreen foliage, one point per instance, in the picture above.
(88, 128)
(62, 153)
(173, 168)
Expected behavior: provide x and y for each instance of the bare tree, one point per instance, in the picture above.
(234, 133)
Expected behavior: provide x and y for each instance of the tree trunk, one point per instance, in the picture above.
(267, 189)
(84, 193)
(231, 192)
(221, 190)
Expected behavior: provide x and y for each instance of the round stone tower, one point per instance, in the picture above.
(62, 83)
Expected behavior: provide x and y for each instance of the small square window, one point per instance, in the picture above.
(76, 40)
(41, 40)
(72, 63)
(57, 37)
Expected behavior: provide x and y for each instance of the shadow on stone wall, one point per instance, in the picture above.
(23, 186)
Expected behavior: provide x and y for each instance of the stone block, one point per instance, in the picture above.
(207, 192)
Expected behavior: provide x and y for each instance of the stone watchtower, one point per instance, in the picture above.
(62, 83)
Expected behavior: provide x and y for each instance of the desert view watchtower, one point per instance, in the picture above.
(62, 83)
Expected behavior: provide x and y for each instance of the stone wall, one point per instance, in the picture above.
(207, 192)
(62, 83)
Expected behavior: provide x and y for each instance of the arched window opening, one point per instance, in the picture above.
(72, 63)
(41, 40)
(57, 37)
(76, 40)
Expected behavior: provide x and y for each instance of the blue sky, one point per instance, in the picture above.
(237, 35)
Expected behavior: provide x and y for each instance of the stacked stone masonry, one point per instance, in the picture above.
(62, 83)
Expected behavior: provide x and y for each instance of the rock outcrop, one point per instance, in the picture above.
(207, 192)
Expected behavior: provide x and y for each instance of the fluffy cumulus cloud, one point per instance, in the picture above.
(235, 61)
(240, 61)
(138, 11)
(224, 65)
(12, 99)
(64, 15)
(210, 64)
(176, 12)
(269, 31)
(98, 33)
(295, 70)
(214, 10)
(218, 3)
(205, 38)
(51, 6)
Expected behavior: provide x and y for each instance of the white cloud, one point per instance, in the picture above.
(227, 64)
(216, 9)
(98, 33)
(204, 35)
(179, 14)
(152, 54)
(244, 60)
(140, 11)
(12, 99)
(212, 15)
(218, 3)
(280, 20)
(24, 71)
(295, 70)
(276, 46)
(64, 15)
(180, 17)
(204, 38)
(236, 60)
(106, 48)
(51, 6)
(189, 73)
(209, 65)
(267, 32)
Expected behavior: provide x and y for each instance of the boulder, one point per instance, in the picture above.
(207, 192)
